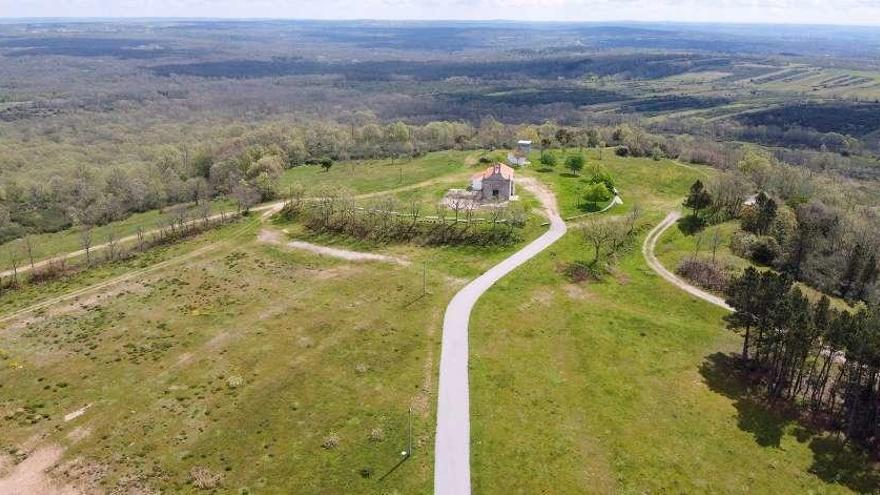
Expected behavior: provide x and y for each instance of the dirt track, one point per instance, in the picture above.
(654, 263)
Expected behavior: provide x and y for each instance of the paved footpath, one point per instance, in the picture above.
(452, 469)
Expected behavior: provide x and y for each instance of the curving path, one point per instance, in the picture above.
(452, 472)
(654, 263)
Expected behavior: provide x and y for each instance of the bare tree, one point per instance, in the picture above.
(85, 242)
(112, 245)
(29, 247)
(14, 262)
(140, 238)
(632, 219)
(716, 241)
(597, 233)
(698, 243)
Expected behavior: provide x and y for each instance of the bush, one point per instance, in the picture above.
(597, 193)
(331, 441)
(622, 151)
(760, 249)
(204, 478)
(765, 250)
(548, 160)
(580, 271)
(741, 243)
(704, 274)
(605, 178)
(575, 163)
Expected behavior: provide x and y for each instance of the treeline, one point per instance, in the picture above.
(822, 232)
(834, 144)
(820, 360)
(182, 224)
(387, 221)
(246, 168)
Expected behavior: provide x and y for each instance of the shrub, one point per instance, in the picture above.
(331, 441)
(760, 249)
(377, 434)
(548, 160)
(597, 193)
(204, 478)
(704, 273)
(603, 177)
(621, 151)
(741, 243)
(575, 163)
(765, 250)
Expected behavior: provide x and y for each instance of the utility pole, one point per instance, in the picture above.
(408, 452)
(425, 279)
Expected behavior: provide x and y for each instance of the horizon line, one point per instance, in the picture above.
(12, 19)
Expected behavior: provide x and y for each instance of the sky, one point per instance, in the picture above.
(853, 12)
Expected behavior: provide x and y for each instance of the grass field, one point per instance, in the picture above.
(382, 175)
(624, 386)
(245, 361)
(49, 245)
(279, 371)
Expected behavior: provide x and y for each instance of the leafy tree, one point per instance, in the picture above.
(546, 142)
(548, 160)
(603, 177)
(564, 137)
(597, 193)
(698, 199)
(761, 217)
(326, 163)
(575, 163)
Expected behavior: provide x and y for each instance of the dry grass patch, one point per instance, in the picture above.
(204, 478)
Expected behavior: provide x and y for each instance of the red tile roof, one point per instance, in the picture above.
(496, 168)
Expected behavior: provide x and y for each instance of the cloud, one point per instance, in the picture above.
(763, 11)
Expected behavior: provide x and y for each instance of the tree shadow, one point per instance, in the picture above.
(724, 373)
(691, 224)
(834, 460)
(590, 207)
(569, 175)
(544, 170)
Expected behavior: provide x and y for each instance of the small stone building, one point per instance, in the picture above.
(520, 155)
(496, 183)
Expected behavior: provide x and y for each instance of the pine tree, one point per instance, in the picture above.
(698, 198)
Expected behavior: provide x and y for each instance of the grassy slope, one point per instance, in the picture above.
(48, 245)
(291, 327)
(381, 175)
(620, 386)
(359, 177)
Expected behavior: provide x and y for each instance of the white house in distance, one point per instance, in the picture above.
(496, 183)
(520, 155)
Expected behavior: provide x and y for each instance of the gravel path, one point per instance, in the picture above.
(276, 238)
(452, 475)
(654, 263)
